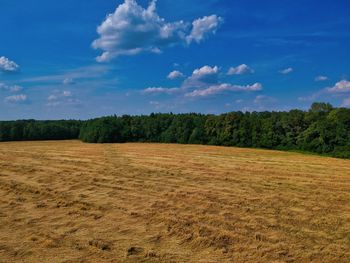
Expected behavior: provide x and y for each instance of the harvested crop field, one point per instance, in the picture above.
(73, 202)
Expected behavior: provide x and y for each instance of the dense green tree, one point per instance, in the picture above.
(323, 129)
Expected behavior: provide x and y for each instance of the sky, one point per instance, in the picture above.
(88, 58)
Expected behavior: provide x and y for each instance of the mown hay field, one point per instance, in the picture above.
(73, 202)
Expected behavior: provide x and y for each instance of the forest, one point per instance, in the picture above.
(322, 129)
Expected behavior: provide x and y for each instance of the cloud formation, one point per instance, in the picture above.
(7, 65)
(340, 89)
(217, 89)
(16, 98)
(203, 82)
(160, 90)
(175, 75)
(202, 77)
(342, 86)
(203, 27)
(240, 70)
(132, 29)
(286, 71)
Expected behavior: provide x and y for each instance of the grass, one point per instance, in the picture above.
(72, 202)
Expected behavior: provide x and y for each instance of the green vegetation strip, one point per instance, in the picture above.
(321, 130)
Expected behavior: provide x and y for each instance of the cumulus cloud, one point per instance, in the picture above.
(175, 74)
(216, 89)
(321, 78)
(342, 86)
(16, 98)
(203, 82)
(132, 29)
(204, 72)
(340, 89)
(8, 65)
(202, 77)
(286, 71)
(240, 70)
(203, 27)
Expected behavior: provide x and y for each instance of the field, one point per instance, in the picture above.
(73, 202)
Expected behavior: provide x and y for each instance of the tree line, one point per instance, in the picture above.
(323, 129)
(32, 130)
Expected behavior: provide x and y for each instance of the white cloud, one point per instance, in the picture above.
(8, 65)
(203, 82)
(240, 70)
(286, 71)
(16, 98)
(346, 103)
(202, 77)
(220, 88)
(161, 90)
(203, 27)
(132, 29)
(340, 87)
(321, 78)
(175, 75)
(202, 72)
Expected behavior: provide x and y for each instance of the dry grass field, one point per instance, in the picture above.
(73, 202)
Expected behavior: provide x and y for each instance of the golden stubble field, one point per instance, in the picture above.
(73, 202)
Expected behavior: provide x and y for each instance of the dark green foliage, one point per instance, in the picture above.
(104, 130)
(39, 130)
(323, 129)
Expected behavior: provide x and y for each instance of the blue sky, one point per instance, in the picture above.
(89, 58)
